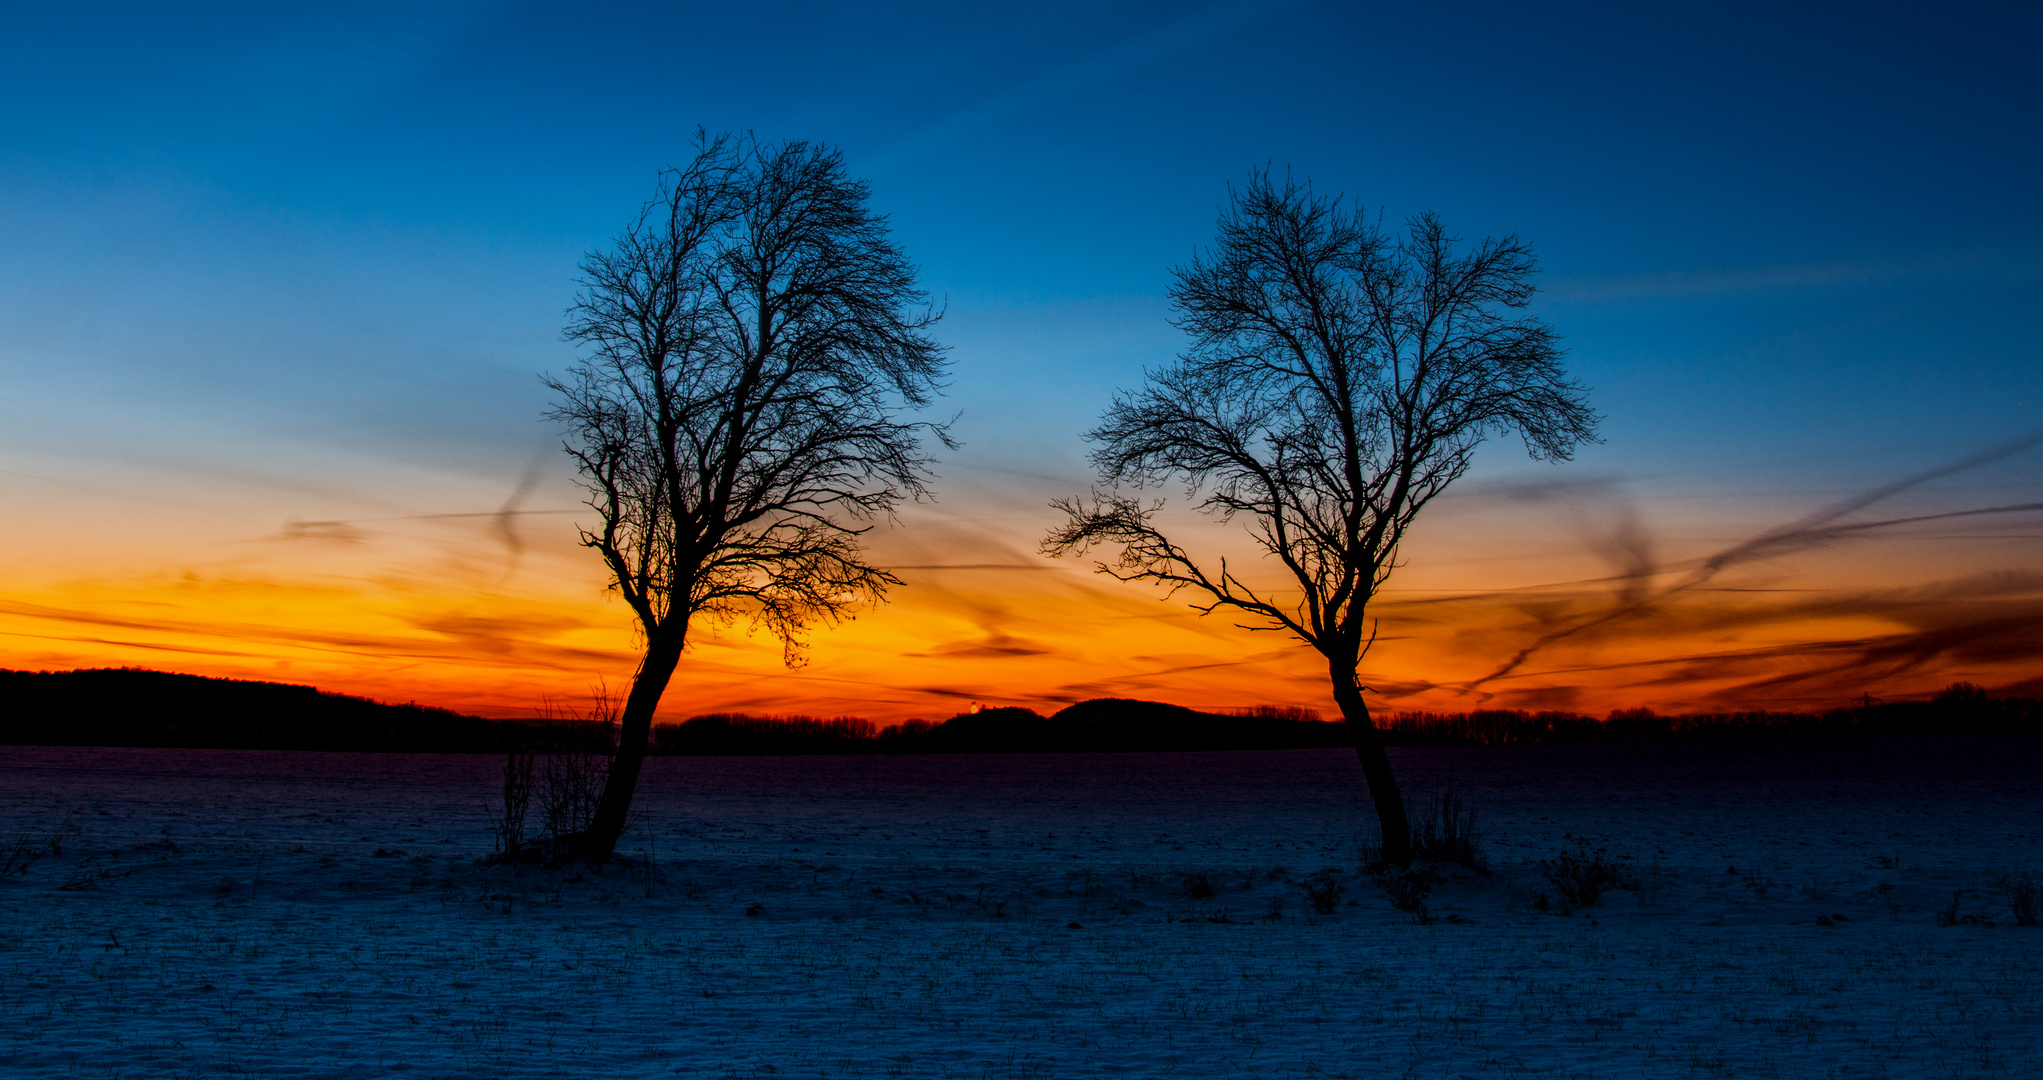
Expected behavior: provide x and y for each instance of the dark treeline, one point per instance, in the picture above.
(1112, 725)
(141, 708)
(740, 734)
(1961, 709)
(134, 707)
(137, 707)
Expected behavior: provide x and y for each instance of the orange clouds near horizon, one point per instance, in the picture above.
(502, 614)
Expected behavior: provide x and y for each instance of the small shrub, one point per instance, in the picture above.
(571, 774)
(1197, 886)
(570, 784)
(1760, 884)
(2022, 896)
(996, 909)
(509, 825)
(1450, 831)
(92, 873)
(1408, 892)
(564, 778)
(1649, 883)
(32, 847)
(1323, 890)
(25, 851)
(1950, 917)
(1583, 875)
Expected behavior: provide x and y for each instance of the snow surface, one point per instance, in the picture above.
(228, 913)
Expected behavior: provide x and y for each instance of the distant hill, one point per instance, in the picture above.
(1100, 726)
(1121, 725)
(135, 707)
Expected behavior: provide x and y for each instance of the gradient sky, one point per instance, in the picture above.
(279, 281)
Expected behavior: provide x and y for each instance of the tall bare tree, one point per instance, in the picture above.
(752, 343)
(1338, 379)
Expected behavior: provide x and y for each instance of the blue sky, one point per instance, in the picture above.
(311, 259)
(1783, 217)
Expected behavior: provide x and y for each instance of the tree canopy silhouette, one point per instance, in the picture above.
(1338, 379)
(752, 341)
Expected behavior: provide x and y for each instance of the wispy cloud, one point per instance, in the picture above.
(519, 641)
(994, 646)
(1793, 277)
(1088, 71)
(1811, 647)
(330, 531)
(1814, 530)
(355, 50)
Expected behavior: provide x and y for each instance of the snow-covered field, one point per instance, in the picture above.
(224, 913)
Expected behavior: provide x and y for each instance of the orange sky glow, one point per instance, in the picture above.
(506, 616)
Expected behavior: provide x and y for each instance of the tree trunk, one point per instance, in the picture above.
(663, 652)
(1390, 804)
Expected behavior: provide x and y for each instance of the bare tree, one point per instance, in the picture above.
(752, 341)
(1338, 380)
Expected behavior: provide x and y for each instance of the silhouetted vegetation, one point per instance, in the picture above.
(1323, 890)
(2022, 893)
(1340, 377)
(1581, 876)
(1448, 829)
(1117, 725)
(29, 848)
(137, 707)
(736, 734)
(751, 340)
(1959, 709)
(507, 822)
(1105, 725)
(1407, 890)
(566, 784)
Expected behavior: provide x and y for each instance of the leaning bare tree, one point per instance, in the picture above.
(752, 342)
(1338, 380)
